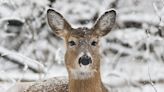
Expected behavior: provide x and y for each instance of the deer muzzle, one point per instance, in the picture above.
(85, 60)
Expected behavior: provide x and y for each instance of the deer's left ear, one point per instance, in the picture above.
(105, 23)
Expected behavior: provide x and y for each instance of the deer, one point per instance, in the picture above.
(82, 56)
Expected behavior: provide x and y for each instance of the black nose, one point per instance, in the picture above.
(85, 60)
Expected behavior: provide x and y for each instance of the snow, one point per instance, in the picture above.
(132, 56)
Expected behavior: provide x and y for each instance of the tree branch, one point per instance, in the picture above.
(22, 60)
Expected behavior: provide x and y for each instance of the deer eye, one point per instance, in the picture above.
(71, 43)
(94, 43)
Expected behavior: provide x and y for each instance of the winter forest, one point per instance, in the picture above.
(132, 53)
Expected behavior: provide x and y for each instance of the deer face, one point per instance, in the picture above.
(82, 56)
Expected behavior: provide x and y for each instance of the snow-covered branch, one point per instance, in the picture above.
(22, 60)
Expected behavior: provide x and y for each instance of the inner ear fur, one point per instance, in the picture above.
(105, 23)
(57, 23)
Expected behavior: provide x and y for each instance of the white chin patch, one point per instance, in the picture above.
(82, 73)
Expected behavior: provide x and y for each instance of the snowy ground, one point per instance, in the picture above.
(132, 54)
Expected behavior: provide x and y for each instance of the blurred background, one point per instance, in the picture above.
(132, 53)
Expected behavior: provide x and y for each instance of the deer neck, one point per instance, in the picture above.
(92, 84)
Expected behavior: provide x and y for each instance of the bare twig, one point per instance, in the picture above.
(152, 84)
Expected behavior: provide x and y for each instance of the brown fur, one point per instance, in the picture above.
(82, 78)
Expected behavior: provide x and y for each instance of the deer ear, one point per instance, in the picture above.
(105, 23)
(57, 22)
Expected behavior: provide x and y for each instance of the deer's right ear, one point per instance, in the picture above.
(57, 23)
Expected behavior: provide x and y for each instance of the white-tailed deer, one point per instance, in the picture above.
(82, 57)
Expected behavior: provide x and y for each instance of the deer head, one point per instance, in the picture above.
(82, 57)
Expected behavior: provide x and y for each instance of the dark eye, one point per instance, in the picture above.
(94, 43)
(71, 43)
